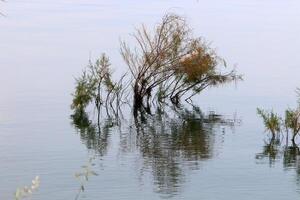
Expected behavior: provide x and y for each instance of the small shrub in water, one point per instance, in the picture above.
(271, 121)
(292, 121)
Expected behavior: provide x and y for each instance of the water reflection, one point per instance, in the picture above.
(169, 143)
(93, 135)
(272, 151)
(282, 150)
(170, 146)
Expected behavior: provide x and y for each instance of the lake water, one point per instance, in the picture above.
(45, 44)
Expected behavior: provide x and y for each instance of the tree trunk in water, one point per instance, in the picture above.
(293, 139)
(137, 104)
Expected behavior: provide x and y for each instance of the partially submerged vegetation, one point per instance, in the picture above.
(275, 124)
(167, 64)
(96, 85)
(292, 121)
(271, 120)
(279, 146)
(276, 149)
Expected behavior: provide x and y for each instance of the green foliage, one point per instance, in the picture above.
(271, 120)
(96, 85)
(82, 122)
(292, 121)
(84, 92)
(101, 72)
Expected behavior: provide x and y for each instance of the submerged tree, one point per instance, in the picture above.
(170, 62)
(274, 149)
(292, 121)
(96, 85)
(271, 120)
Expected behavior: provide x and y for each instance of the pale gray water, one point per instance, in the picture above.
(45, 44)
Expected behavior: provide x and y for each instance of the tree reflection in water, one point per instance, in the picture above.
(271, 150)
(170, 143)
(93, 135)
(282, 150)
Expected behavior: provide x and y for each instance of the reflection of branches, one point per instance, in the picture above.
(271, 150)
(290, 156)
(94, 135)
(167, 142)
(276, 149)
(84, 175)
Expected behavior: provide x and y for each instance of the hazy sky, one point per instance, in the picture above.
(44, 44)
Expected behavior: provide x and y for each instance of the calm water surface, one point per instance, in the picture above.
(45, 44)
